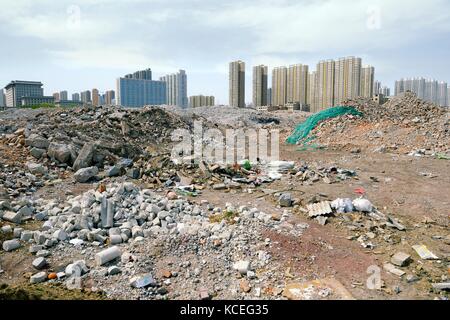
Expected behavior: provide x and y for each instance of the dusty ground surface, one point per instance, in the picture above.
(413, 190)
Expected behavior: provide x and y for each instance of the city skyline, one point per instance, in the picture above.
(111, 38)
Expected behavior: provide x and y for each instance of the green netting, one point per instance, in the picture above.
(301, 132)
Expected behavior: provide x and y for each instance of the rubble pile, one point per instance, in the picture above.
(405, 124)
(83, 137)
(108, 227)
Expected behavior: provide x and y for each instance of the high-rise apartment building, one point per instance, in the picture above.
(367, 82)
(2, 99)
(109, 97)
(442, 94)
(269, 96)
(85, 96)
(16, 90)
(324, 85)
(429, 90)
(376, 87)
(237, 84)
(260, 76)
(297, 84)
(56, 96)
(142, 74)
(448, 96)
(385, 91)
(63, 95)
(140, 92)
(347, 79)
(279, 86)
(201, 101)
(312, 91)
(95, 97)
(176, 89)
(75, 97)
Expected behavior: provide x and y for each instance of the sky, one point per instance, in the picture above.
(78, 45)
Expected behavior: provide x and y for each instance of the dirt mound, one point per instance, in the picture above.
(405, 124)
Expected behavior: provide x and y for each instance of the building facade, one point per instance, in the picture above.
(110, 95)
(279, 86)
(142, 74)
(95, 97)
(76, 97)
(34, 101)
(429, 90)
(63, 95)
(367, 82)
(176, 89)
(137, 93)
(376, 87)
(15, 90)
(260, 77)
(2, 99)
(324, 85)
(201, 101)
(236, 80)
(347, 79)
(269, 96)
(85, 96)
(385, 91)
(311, 97)
(297, 84)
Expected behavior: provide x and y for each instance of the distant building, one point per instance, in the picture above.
(142, 75)
(324, 85)
(442, 94)
(376, 87)
(236, 79)
(260, 76)
(279, 86)
(110, 95)
(95, 97)
(297, 84)
(379, 98)
(385, 91)
(86, 96)
(347, 79)
(2, 99)
(68, 103)
(367, 82)
(56, 96)
(139, 92)
(312, 92)
(76, 97)
(63, 95)
(269, 96)
(34, 101)
(429, 90)
(448, 96)
(15, 90)
(176, 89)
(201, 101)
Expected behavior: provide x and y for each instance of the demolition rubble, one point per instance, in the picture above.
(92, 202)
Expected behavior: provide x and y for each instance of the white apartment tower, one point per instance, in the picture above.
(176, 89)
(324, 85)
(297, 84)
(237, 84)
(367, 82)
(312, 91)
(279, 86)
(347, 80)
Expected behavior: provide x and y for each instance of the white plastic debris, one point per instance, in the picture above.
(362, 205)
(342, 205)
(274, 169)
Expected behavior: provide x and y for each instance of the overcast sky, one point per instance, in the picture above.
(81, 44)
